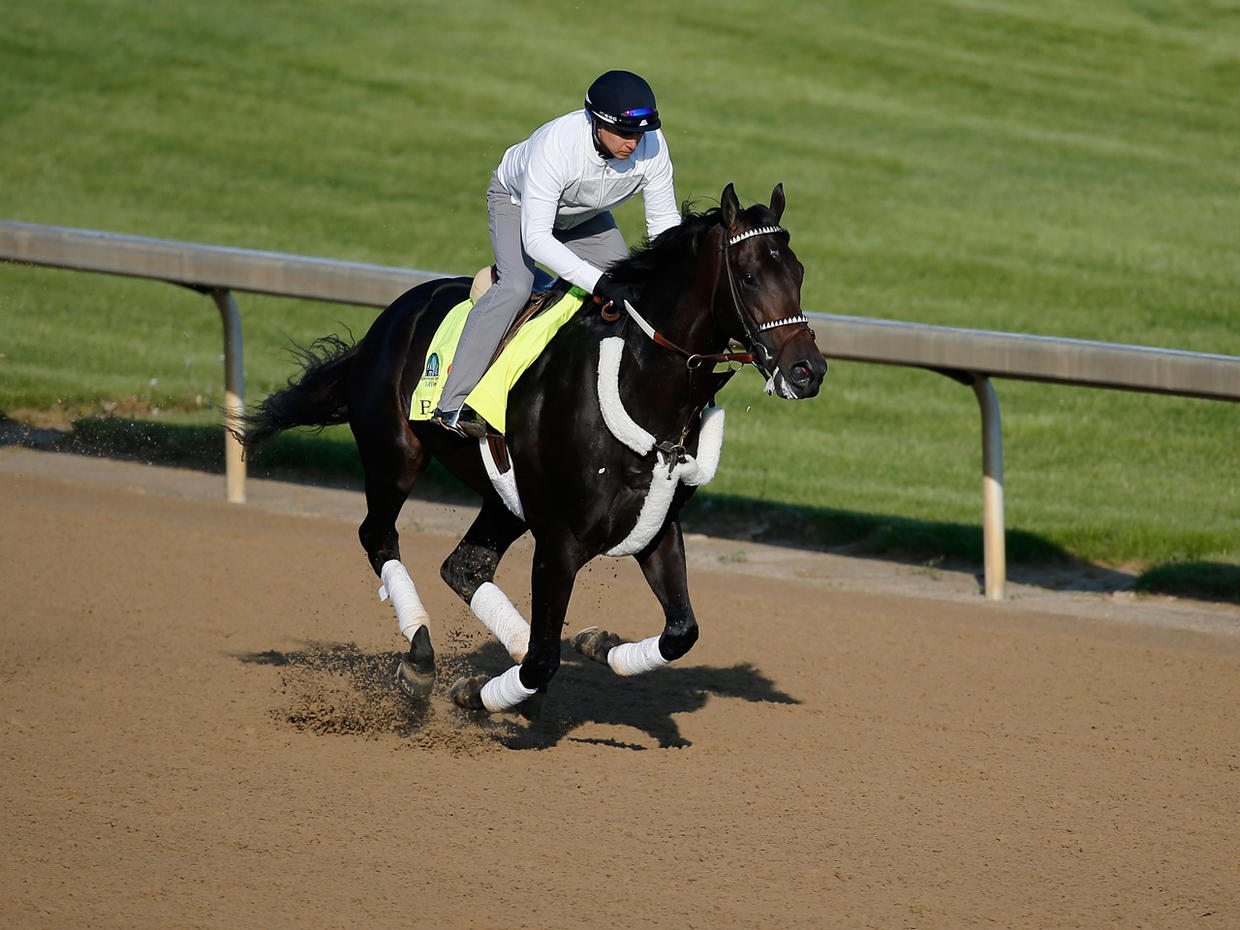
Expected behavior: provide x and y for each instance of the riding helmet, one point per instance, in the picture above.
(622, 101)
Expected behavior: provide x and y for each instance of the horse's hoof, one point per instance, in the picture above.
(467, 693)
(413, 681)
(594, 643)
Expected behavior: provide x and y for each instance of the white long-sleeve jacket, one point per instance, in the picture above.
(559, 180)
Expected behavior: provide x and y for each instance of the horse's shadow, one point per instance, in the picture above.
(366, 701)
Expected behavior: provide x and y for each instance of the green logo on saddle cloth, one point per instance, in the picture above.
(490, 397)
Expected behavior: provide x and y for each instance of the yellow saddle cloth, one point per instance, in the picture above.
(490, 397)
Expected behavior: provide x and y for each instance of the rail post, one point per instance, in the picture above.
(234, 393)
(993, 541)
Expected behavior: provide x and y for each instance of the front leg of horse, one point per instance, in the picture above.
(470, 572)
(514, 687)
(663, 564)
(553, 577)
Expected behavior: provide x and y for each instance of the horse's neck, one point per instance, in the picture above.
(687, 320)
(657, 384)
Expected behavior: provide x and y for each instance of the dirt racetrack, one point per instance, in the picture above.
(200, 731)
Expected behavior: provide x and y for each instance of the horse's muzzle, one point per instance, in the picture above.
(798, 380)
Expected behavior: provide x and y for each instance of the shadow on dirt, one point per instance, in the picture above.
(337, 688)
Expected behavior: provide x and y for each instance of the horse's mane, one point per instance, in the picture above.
(669, 252)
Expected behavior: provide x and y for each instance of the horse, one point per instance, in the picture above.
(609, 432)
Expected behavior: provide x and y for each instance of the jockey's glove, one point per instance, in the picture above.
(610, 291)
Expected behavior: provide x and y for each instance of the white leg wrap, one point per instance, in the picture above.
(635, 658)
(492, 607)
(397, 585)
(505, 691)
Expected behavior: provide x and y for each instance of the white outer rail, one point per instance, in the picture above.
(970, 356)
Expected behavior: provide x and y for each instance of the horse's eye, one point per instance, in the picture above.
(748, 279)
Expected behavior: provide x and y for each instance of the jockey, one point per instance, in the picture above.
(550, 202)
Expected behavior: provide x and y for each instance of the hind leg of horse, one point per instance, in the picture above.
(470, 572)
(392, 458)
(554, 572)
(663, 564)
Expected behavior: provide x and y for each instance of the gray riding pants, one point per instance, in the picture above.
(597, 240)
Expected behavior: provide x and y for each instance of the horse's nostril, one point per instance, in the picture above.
(801, 373)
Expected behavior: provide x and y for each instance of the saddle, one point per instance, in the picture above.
(547, 292)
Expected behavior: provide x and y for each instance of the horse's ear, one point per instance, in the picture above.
(730, 205)
(777, 201)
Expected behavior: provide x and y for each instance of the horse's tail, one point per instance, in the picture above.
(317, 397)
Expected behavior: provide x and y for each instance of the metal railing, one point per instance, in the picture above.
(970, 356)
(216, 271)
(974, 356)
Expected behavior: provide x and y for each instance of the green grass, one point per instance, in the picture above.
(1044, 167)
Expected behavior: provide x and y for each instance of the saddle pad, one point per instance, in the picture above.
(490, 397)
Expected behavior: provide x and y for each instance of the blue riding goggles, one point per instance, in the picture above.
(638, 119)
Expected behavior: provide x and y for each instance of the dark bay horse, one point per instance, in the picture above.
(609, 432)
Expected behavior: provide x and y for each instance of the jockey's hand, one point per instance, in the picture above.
(609, 291)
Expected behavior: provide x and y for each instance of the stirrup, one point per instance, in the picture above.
(444, 420)
(470, 424)
(464, 422)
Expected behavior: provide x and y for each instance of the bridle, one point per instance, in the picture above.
(759, 354)
(765, 361)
